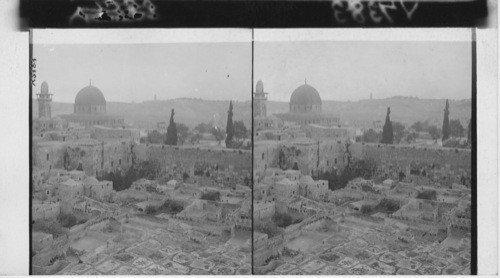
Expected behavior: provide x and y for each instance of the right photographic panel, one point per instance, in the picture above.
(363, 152)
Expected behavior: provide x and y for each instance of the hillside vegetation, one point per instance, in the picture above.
(187, 111)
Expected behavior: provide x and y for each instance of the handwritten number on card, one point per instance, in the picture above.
(33, 71)
(377, 11)
(356, 9)
(339, 11)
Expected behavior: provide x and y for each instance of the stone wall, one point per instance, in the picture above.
(95, 157)
(45, 210)
(240, 160)
(48, 155)
(265, 156)
(419, 164)
(334, 133)
(268, 248)
(91, 156)
(455, 159)
(311, 157)
(264, 210)
(101, 132)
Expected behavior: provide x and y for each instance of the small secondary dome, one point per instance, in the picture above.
(305, 95)
(90, 95)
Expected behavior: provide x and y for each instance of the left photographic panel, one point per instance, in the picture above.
(141, 157)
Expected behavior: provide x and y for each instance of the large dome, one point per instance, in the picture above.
(305, 95)
(90, 95)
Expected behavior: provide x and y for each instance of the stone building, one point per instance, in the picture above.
(120, 133)
(417, 209)
(309, 156)
(334, 132)
(259, 101)
(99, 190)
(41, 240)
(45, 122)
(306, 108)
(44, 210)
(285, 189)
(267, 123)
(44, 99)
(279, 185)
(313, 189)
(70, 189)
(264, 210)
(90, 109)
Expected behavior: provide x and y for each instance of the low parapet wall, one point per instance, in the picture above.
(404, 155)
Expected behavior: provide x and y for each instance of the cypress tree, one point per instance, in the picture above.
(446, 122)
(229, 126)
(387, 133)
(171, 131)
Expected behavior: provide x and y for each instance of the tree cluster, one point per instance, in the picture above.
(399, 133)
(211, 196)
(268, 227)
(395, 132)
(68, 220)
(360, 168)
(371, 136)
(446, 122)
(387, 131)
(236, 132)
(218, 133)
(386, 206)
(171, 207)
(229, 126)
(122, 180)
(282, 220)
(184, 135)
(427, 195)
(150, 210)
(50, 227)
(171, 138)
(177, 134)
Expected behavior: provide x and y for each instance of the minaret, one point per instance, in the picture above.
(259, 100)
(44, 101)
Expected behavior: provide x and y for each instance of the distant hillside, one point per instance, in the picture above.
(194, 111)
(188, 111)
(404, 110)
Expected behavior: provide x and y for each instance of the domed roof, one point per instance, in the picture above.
(304, 95)
(90, 95)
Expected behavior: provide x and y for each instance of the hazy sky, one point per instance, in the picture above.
(352, 70)
(136, 72)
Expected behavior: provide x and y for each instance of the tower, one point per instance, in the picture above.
(44, 101)
(259, 100)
